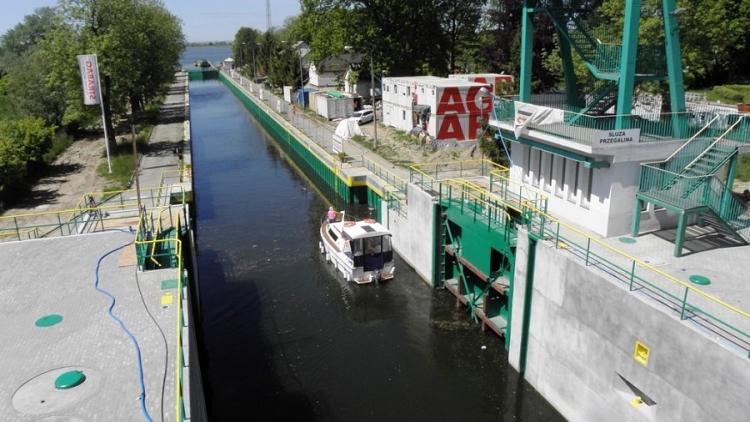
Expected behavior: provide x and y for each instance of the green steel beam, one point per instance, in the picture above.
(569, 73)
(726, 196)
(527, 300)
(527, 50)
(674, 66)
(636, 228)
(438, 242)
(680, 237)
(627, 64)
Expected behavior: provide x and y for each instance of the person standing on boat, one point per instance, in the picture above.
(331, 215)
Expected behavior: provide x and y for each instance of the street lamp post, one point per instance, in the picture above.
(301, 78)
(242, 54)
(255, 70)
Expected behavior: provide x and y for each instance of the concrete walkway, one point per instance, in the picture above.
(56, 297)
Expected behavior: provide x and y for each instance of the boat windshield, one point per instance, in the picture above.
(377, 244)
(371, 245)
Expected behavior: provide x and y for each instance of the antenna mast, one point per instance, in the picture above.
(268, 16)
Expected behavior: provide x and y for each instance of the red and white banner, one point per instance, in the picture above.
(90, 78)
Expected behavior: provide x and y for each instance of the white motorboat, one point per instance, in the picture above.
(360, 250)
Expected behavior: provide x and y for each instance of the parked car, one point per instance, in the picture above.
(362, 117)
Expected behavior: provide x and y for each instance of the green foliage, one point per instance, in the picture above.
(244, 49)
(7, 109)
(138, 44)
(123, 163)
(59, 144)
(31, 137)
(713, 34)
(25, 37)
(404, 37)
(743, 168)
(123, 166)
(12, 164)
(285, 68)
(728, 94)
(490, 146)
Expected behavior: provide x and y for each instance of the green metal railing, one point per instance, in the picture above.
(484, 209)
(426, 176)
(685, 300)
(668, 126)
(688, 192)
(384, 174)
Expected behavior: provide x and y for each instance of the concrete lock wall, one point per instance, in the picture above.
(415, 231)
(581, 344)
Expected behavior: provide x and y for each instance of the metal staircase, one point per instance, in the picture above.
(602, 58)
(687, 181)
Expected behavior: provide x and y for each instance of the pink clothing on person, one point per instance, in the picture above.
(331, 215)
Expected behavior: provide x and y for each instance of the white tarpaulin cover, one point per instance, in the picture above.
(529, 113)
(345, 130)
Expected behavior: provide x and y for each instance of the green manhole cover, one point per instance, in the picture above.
(49, 320)
(169, 284)
(627, 240)
(700, 279)
(69, 380)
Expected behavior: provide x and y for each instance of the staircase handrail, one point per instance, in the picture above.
(686, 143)
(714, 143)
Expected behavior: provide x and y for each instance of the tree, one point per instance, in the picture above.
(285, 68)
(22, 143)
(245, 47)
(25, 68)
(24, 38)
(459, 21)
(29, 93)
(713, 35)
(404, 37)
(137, 42)
(503, 52)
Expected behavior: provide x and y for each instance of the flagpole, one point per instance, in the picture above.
(104, 122)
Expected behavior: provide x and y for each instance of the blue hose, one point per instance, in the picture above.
(142, 397)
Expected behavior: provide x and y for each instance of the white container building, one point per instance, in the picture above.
(492, 79)
(455, 105)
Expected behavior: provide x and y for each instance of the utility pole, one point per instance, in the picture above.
(301, 78)
(255, 69)
(374, 109)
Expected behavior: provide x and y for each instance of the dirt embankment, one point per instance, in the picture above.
(71, 176)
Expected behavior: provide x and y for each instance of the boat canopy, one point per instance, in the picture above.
(364, 230)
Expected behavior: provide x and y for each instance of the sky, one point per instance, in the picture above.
(202, 20)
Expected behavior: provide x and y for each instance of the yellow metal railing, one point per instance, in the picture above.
(426, 175)
(120, 208)
(146, 224)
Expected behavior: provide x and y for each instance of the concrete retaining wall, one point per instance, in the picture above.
(413, 234)
(582, 338)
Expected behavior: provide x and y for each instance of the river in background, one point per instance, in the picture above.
(285, 338)
(214, 54)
